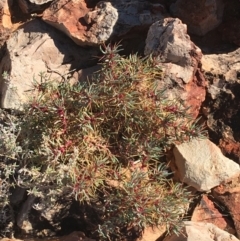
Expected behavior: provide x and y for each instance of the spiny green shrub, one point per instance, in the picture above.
(102, 141)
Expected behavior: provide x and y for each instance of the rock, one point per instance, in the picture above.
(201, 16)
(103, 20)
(152, 233)
(76, 236)
(168, 41)
(5, 23)
(229, 195)
(31, 6)
(194, 231)
(5, 14)
(221, 107)
(206, 212)
(201, 164)
(106, 21)
(73, 25)
(35, 48)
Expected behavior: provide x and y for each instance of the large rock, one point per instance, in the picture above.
(180, 58)
(229, 195)
(201, 164)
(200, 16)
(194, 231)
(107, 20)
(221, 107)
(35, 48)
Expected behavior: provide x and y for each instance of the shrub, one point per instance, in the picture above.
(102, 141)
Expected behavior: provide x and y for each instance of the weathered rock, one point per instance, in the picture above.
(103, 20)
(106, 21)
(194, 231)
(221, 107)
(229, 195)
(35, 48)
(72, 24)
(200, 16)
(201, 164)
(207, 212)
(168, 41)
(76, 236)
(5, 14)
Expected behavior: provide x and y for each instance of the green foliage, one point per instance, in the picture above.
(102, 141)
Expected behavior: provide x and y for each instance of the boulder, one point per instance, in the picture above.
(34, 48)
(201, 164)
(200, 16)
(107, 20)
(169, 43)
(201, 231)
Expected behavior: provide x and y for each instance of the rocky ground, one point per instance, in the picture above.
(198, 43)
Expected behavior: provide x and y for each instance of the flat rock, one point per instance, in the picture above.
(200, 16)
(201, 164)
(194, 231)
(34, 48)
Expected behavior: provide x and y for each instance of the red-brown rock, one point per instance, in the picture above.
(229, 195)
(67, 16)
(206, 212)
